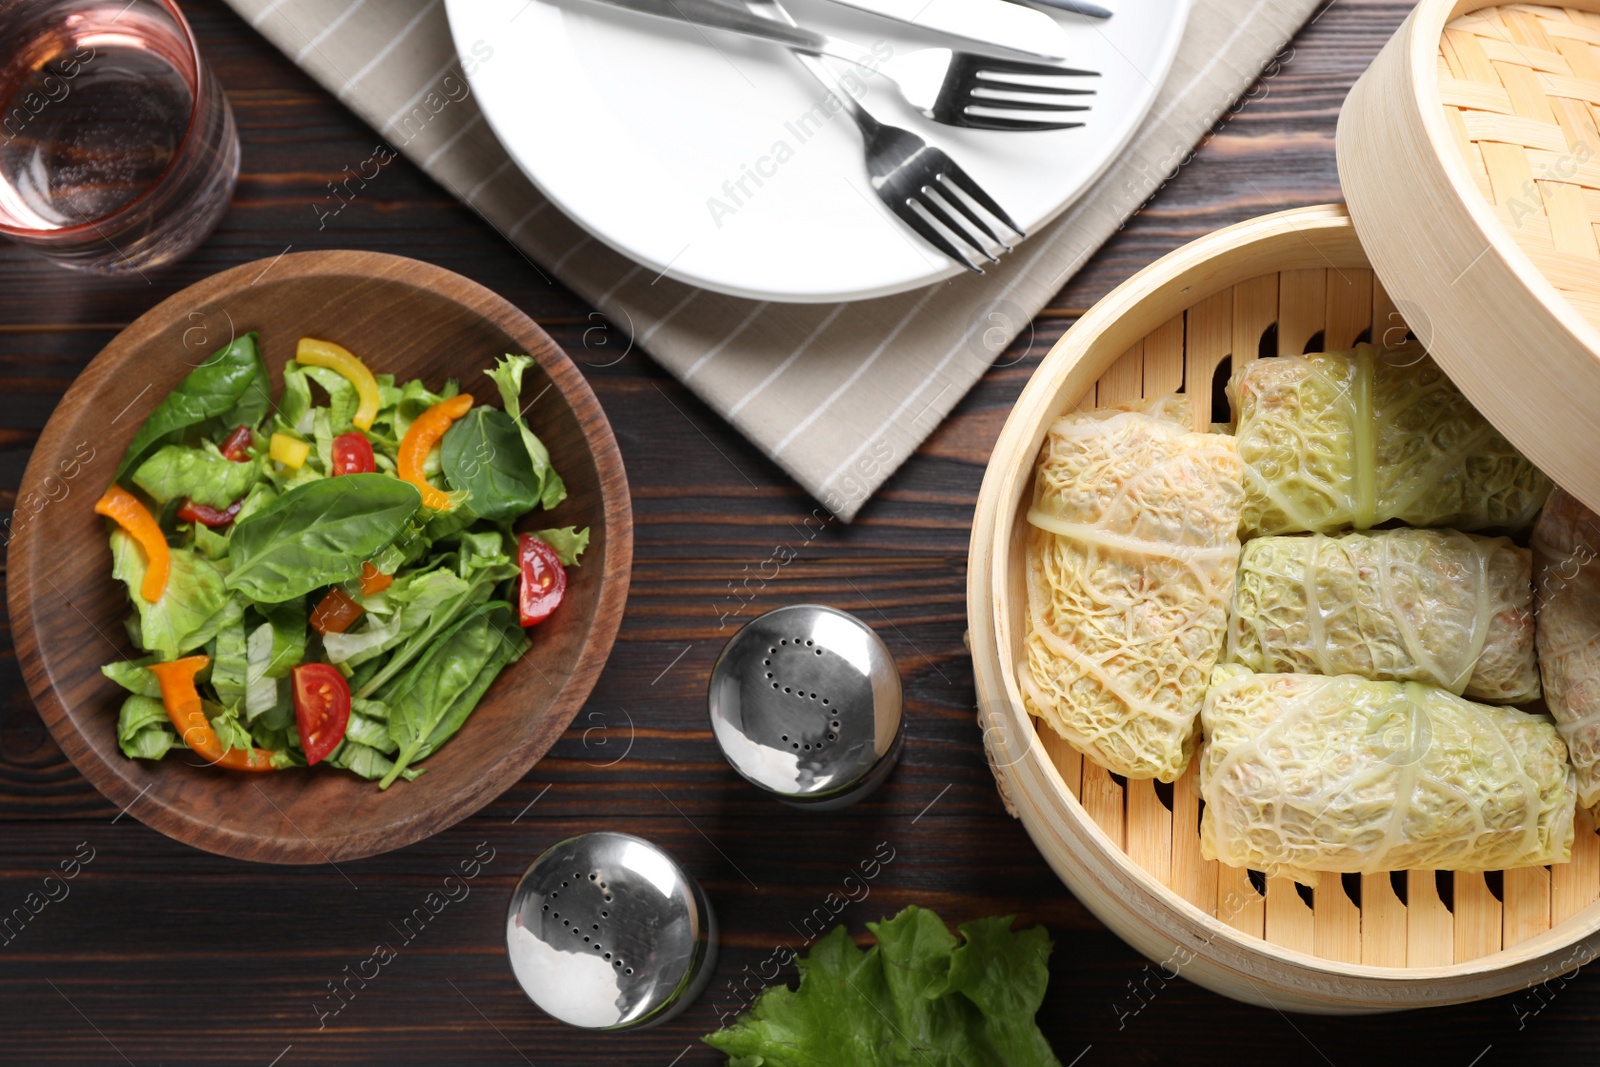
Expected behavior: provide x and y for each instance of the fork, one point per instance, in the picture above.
(907, 172)
(954, 88)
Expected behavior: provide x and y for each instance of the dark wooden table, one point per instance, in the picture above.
(161, 954)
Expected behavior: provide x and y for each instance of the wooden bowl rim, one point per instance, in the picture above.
(615, 567)
(1015, 750)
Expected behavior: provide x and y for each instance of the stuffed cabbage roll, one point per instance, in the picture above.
(1131, 563)
(1341, 440)
(1566, 542)
(1434, 606)
(1303, 773)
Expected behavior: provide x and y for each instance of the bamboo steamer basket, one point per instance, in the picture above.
(1292, 282)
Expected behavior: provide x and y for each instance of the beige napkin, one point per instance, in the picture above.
(839, 395)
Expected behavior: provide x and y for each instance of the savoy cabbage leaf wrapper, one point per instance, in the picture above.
(1566, 540)
(917, 998)
(1131, 564)
(1350, 440)
(1436, 606)
(1303, 774)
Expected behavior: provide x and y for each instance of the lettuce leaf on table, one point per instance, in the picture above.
(915, 999)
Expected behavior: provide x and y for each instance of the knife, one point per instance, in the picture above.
(995, 24)
(1077, 7)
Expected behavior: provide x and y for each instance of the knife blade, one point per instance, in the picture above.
(1077, 7)
(997, 24)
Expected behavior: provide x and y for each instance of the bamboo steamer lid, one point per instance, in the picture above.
(1469, 153)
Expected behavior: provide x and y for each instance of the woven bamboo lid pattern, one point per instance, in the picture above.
(1520, 85)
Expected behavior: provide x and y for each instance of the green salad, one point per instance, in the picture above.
(333, 578)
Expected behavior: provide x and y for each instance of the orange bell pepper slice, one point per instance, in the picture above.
(123, 508)
(335, 613)
(182, 701)
(373, 580)
(421, 438)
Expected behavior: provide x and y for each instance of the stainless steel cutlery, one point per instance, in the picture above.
(950, 87)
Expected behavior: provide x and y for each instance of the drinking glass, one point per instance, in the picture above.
(117, 147)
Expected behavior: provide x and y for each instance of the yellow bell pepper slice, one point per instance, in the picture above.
(424, 434)
(290, 451)
(314, 353)
(123, 508)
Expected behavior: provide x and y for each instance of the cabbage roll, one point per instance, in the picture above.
(1566, 541)
(1131, 563)
(1341, 440)
(1303, 773)
(1434, 606)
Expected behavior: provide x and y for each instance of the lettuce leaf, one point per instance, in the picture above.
(143, 729)
(133, 676)
(915, 999)
(194, 607)
(568, 541)
(202, 474)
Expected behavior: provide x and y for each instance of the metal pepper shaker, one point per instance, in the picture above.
(606, 931)
(806, 702)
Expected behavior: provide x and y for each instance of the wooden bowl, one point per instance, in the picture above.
(1470, 157)
(1287, 283)
(403, 317)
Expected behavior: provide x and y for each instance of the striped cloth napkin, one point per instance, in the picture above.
(838, 395)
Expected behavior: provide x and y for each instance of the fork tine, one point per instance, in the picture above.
(989, 64)
(999, 103)
(1001, 85)
(908, 215)
(957, 201)
(958, 177)
(932, 206)
(995, 122)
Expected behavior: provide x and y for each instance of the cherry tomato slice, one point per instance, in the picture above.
(321, 708)
(237, 446)
(191, 512)
(352, 454)
(544, 580)
(335, 612)
(373, 580)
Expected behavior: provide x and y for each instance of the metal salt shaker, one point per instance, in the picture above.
(805, 702)
(606, 932)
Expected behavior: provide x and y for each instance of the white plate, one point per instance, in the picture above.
(642, 130)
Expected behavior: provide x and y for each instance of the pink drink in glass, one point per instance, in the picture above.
(117, 148)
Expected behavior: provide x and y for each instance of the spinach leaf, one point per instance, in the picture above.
(568, 542)
(215, 388)
(201, 474)
(482, 452)
(193, 608)
(507, 377)
(441, 617)
(132, 676)
(143, 729)
(429, 705)
(318, 534)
